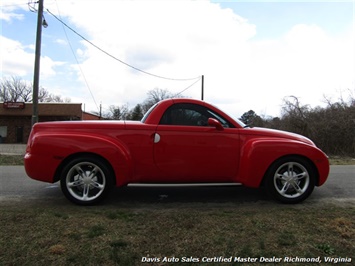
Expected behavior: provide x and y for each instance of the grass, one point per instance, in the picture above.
(341, 160)
(33, 234)
(108, 235)
(11, 159)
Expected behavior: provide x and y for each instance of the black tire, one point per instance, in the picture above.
(290, 179)
(86, 180)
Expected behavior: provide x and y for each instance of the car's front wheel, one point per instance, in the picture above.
(290, 180)
(86, 180)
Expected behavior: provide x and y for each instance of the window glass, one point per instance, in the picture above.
(148, 112)
(3, 131)
(186, 114)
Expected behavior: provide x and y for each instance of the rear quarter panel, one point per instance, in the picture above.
(127, 147)
(48, 150)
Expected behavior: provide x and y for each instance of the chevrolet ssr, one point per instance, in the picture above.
(177, 141)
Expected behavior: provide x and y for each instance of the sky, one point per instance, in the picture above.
(252, 54)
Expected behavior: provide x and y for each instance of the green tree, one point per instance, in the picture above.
(137, 113)
(252, 119)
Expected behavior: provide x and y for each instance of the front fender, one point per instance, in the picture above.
(48, 151)
(258, 155)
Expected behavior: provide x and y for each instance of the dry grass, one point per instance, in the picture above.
(116, 235)
(11, 159)
(341, 160)
(105, 235)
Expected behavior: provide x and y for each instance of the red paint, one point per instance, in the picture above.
(183, 153)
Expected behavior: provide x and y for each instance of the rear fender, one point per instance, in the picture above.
(56, 148)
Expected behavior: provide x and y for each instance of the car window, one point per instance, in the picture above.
(186, 114)
(223, 121)
(148, 112)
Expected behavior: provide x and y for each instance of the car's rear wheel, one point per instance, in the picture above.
(290, 179)
(86, 180)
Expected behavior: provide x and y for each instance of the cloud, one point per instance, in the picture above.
(146, 58)
(305, 62)
(18, 60)
(11, 16)
(61, 42)
(15, 59)
(186, 39)
(8, 15)
(174, 39)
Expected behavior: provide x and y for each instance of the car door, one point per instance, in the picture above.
(186, 149)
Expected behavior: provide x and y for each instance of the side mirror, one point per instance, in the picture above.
(215, 123)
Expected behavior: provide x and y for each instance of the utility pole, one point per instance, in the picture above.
(37, 64)
(202, 86)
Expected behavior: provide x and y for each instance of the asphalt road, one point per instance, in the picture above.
(15, 186)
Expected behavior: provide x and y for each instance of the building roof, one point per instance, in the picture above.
(44, 109)
(89, 116)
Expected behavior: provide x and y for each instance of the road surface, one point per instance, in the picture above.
(16, 186)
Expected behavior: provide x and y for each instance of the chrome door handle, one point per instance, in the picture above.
(156, 138)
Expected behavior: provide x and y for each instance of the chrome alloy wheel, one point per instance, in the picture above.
(85, 181)
(291, 180)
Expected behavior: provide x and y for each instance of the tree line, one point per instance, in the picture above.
(331, 128)
(15, 89)
(137, 112)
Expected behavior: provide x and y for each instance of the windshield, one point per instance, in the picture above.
(240, 122)
(232, 116)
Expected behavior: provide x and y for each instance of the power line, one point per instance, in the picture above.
(117, 59)
(31, 6)
(76, 59)
(177, 94)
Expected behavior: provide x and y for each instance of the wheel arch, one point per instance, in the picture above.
(84, 154)
(259, 155)
(60, 148)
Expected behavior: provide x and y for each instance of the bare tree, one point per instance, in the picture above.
(294, 115)
(42, 95)
(331, 128)
(124, 113)
(15, 90)
(118, 113)
(47, 97)
(154, 96)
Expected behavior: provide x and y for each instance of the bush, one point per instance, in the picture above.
(332, 128)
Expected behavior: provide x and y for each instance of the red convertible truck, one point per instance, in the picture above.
(177, 141)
